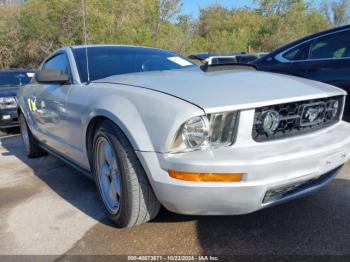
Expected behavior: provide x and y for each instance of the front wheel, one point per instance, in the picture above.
(31, 145)
(120, 178)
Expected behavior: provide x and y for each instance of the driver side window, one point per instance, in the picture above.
(58, 62)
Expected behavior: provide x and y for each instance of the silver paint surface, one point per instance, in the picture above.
(150, 107)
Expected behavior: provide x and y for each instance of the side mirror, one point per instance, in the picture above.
(51, 76)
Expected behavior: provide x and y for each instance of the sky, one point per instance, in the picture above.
(191, 7)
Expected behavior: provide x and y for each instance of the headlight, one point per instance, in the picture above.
(8, 102)
(222, 128)
(335, 108)
(202, 132)
(195, 132)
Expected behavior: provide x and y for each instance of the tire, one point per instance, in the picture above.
(31, 145)
(3, 132)
(120, 179)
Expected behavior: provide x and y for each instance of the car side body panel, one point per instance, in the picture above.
(149, 119)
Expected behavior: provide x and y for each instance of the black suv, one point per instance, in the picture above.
(324, 57)
(10, 80)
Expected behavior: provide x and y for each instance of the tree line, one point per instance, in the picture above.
(31, 29)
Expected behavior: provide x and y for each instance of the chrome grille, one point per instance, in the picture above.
(298, 118)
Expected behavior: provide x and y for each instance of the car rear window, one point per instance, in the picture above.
(116, 60)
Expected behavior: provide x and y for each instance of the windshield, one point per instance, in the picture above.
(105, 61)
(15, 78)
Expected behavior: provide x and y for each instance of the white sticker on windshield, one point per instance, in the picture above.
(30, 74)
(180, 61)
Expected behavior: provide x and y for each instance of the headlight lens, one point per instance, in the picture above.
(194, 132)
(335, 108)
(202, 132)
(192, 135)
(222, 128)
(8, 102)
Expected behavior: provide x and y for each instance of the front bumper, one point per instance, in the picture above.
(8, 118)
(308, 162)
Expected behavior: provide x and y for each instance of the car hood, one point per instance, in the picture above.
(228, 90)
(8, 91)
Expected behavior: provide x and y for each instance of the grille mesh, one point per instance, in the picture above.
(292, 118)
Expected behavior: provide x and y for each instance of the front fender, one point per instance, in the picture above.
(148, 118)
(125, 116)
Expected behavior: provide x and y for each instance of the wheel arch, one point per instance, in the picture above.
(125, 127)
(89, 134)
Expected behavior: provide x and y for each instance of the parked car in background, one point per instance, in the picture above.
(222, 59)
(324, 57)
(152, 128)
(10, 81)
(200, 58)
(251, 57)
(237, 57)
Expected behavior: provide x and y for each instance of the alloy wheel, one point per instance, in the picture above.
(108, 175)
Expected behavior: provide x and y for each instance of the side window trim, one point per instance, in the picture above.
(279, 57)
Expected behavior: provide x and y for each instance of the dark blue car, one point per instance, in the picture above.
(324, 57)
(10, 80)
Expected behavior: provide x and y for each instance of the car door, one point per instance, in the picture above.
(328, 60)
(49, 101)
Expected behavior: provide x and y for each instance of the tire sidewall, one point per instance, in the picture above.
(26, 146)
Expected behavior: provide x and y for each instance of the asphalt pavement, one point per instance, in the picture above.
(48, 208)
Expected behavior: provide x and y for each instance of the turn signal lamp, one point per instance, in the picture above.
(206, 177)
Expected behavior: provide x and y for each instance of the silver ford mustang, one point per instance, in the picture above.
(153, 129)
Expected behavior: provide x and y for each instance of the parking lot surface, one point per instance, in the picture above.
(46, 207)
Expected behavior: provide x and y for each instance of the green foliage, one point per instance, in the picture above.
(296, 21)
(337, 12)
(30, 30)
(8, 35)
